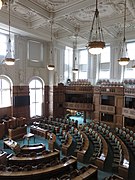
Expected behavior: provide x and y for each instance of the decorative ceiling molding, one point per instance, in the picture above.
(33, 17)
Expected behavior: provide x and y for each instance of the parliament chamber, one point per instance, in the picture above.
(66, 111)
(104, 142)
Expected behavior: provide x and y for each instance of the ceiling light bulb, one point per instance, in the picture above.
(0, 4)
(123, 61)
(74, 70)
(50, 67)
(96, 47)
(9, 61)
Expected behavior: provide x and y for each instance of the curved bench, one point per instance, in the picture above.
(124, 165)
(33, 147)
(101, 159)
(24, 160)
(81, 153)
(66, 146)
(40, 174)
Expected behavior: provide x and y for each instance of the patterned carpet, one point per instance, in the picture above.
(101, 174)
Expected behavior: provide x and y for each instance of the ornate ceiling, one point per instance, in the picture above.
(70, 17)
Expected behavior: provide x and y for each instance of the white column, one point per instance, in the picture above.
(115, 68)
(93, 68)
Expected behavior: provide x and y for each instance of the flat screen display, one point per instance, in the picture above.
(130, 102)
(21, 101)
(107, 100)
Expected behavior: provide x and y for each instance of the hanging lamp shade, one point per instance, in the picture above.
(124, 59)
(75, 69)
(96, 42)
(51, 66)
(1, 4)
(9, 58)
(96, 47)
(4, 3)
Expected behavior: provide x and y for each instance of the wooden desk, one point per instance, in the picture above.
(124, 166)
(91, 174)
(101, 159)
(9, 143)
(81, 153)
(17, 133)
(39, 131)
(66, 147)
(3, 157)
(46, 158)
(51, 141)
(40, 174)
(28, 136)
(33, 147)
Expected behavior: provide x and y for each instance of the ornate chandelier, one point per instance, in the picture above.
(96, 46)
(51, 66)
(124, 59)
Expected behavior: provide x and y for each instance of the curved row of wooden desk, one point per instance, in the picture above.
(81, 153)
(100, 161)
(124, 166)
(40, 174)
(90, 174)
(46, 158)
(66, 146)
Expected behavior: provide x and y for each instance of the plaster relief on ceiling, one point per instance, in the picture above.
(86, 14)
(23, 12)
(69, 14)
(71, 19)
(53, 5)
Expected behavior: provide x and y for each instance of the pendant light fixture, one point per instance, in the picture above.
(75, 69)
(3, 2)
(96, 42)
(124, 59)
(9, 58)
(51, 66)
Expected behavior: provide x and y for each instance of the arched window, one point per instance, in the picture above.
(83, 64)
(104, 72)
(36, 97)
(5, 91)
(129, 71)
(68, 63)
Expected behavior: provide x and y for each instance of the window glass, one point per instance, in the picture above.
(104, 74)
(131, 50)
(68, 63)
(6, 98)
(104, 71)
(5, 84)
(36, 97)
(83, 57)
(105, 55)
(3, 44)
(83, 64)
(32, 84)
(129, 71)
(5, 92)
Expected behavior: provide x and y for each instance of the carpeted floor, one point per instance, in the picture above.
(101, 174)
